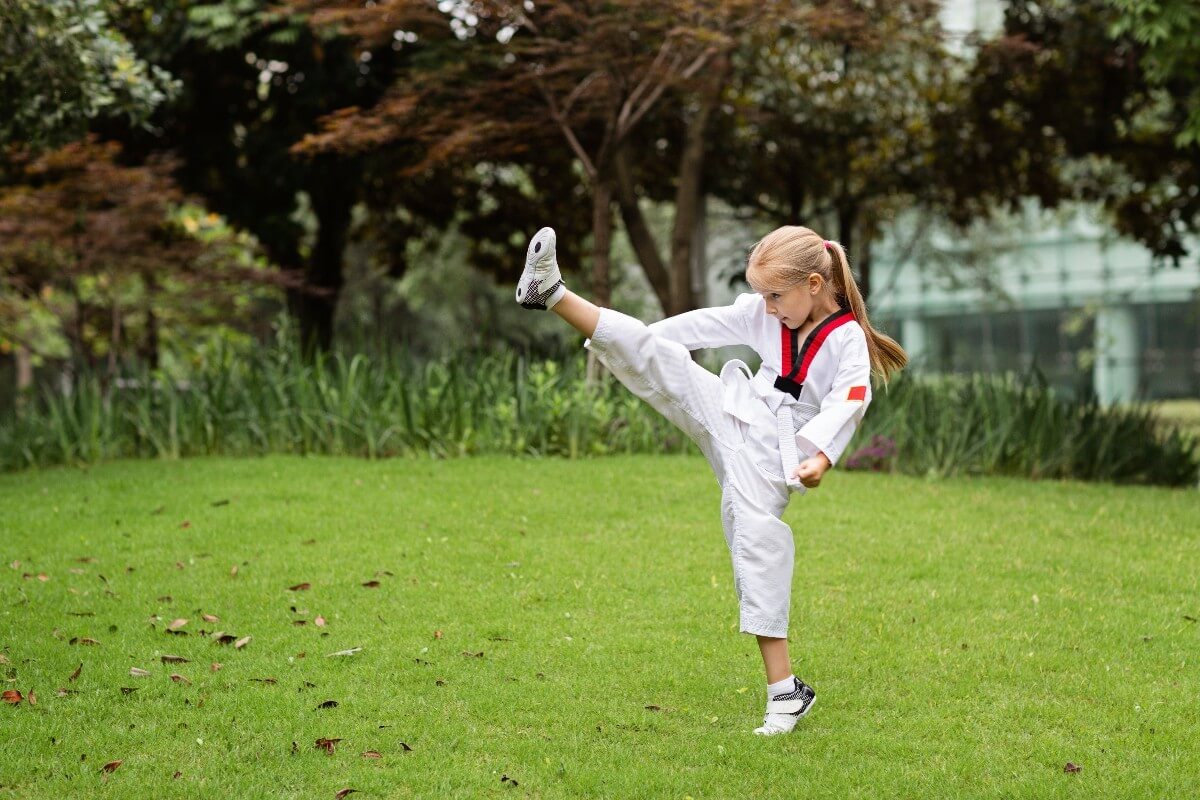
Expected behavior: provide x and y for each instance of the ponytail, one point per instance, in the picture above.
(887, 356)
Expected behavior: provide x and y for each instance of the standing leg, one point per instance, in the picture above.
(775, 658)
(763, 554)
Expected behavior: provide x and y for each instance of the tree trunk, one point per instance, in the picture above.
(602, 193)
(847, 217)
(24, 371)
(690, 190)
(700, 254)
(150, 343)
(639, 233)
(332, 201)
(114, 339)
(864, 267)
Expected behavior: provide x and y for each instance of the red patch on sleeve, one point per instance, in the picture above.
(857, 393)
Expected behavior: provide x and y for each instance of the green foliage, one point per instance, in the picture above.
(63, 64)
(272, 400)
(1169, 32)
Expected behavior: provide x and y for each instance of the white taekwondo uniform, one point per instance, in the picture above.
(807, 397)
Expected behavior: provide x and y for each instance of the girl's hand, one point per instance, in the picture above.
(810, 470)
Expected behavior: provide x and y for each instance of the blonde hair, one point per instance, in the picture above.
(785, 258)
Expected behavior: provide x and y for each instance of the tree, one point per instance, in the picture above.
(1058, 110)
(255, 83)
(1168, 32)
(538, 78)
(838, 133)
(62, 65)
(95, 254)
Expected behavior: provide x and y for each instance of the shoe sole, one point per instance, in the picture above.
(799, 717)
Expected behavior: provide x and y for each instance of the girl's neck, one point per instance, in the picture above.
(824, 304)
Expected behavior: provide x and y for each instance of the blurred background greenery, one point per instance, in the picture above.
(320, 208)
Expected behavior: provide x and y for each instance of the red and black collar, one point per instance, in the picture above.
(796, 361)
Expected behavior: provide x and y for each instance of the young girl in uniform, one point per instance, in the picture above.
(766, 435)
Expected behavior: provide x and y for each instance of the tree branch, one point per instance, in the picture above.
(580, 153)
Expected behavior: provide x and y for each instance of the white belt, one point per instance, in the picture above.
(742, 390)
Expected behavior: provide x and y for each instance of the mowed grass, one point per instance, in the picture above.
(966, 638)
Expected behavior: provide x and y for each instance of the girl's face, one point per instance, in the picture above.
(794, 306)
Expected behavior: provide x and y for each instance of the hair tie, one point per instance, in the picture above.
(828, 244)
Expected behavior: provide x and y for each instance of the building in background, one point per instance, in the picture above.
(1057, 293)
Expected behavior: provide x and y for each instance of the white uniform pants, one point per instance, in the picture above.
(743, 451)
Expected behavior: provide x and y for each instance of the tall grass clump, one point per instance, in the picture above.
(1017, 425)
(272, 400)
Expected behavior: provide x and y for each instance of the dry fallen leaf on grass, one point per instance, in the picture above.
(328, 704)
(75, 674)
(300, 587)
(371, 584)
(210, 618)
(326, 744)
(319, 622)
(174, 660)
(343, 792)
(175, 676)
(110, 766)
(11, 696)
(372, 754)
(242, 642)
(138, 672)
(176, 624)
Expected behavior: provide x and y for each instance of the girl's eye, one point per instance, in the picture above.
(774, 295)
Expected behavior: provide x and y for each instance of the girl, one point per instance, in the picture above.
(765, 435)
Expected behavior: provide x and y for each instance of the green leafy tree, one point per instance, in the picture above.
(1168, 32)
(62, 64)
(98, 258)
(1056, 109)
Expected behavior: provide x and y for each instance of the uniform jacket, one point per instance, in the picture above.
(819, 387)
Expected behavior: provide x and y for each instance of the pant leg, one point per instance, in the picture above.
(661, 372)
(760, 546)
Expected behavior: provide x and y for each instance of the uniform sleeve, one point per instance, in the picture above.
(710, 327)
(843, 408)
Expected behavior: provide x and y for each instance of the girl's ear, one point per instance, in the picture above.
(815, 283)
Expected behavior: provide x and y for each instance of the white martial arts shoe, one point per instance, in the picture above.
(541, 283)
(785, 710)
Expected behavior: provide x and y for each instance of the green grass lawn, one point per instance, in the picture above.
(546, 628)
